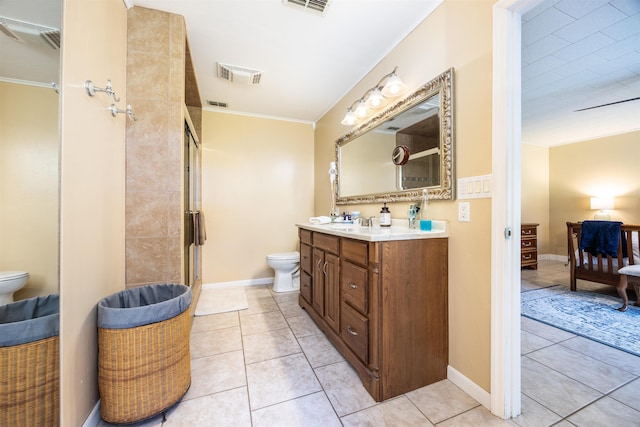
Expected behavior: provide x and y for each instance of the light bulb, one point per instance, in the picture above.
(349, 118)
(394, 86)
(375, 99)
(361, 109)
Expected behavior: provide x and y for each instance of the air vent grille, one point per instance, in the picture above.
(218, 104)
(311, 5)
(27, 32)
(236, 74)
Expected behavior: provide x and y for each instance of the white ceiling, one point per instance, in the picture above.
(576, 54)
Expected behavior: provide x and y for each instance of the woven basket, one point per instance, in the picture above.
(29, 386)
(144, 370)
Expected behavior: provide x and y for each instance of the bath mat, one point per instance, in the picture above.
(588, 314)
(221, 300)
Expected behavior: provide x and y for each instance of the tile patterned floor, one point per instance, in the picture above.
(270, 365)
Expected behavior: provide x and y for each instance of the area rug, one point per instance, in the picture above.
(221, 299)
(588, 314)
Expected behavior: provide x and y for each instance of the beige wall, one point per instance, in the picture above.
(257, 182)
(29, 147)
(437, 44)
(599, 167)
(535, 192)
(92, 191)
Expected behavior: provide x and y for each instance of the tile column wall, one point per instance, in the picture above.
(154, 184)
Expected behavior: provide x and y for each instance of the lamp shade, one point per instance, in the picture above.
(602, 203)
(393, 87)
(349, 118)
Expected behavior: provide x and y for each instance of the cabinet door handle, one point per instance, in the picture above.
(353, 285)
(351, 331)
(324, 268)
(318, 265)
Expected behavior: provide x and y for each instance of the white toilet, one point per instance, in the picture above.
(11, 281)
(287, 268)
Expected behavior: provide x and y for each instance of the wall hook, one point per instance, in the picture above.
(92, 89)
(129, 111)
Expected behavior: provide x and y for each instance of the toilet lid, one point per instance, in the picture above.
(285, 255)
(10, 275)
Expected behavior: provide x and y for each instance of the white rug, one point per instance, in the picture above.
(221, 300)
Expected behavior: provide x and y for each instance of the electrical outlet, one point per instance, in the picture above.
(464, 211)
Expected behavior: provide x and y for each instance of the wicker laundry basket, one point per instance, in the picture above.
(29, 362)
(144, 364)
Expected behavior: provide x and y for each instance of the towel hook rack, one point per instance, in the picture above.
(129, 111)
(92, 89)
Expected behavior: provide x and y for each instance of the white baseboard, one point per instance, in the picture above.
(248, 282)
(94, 417)
(553, 257)
(469, 387)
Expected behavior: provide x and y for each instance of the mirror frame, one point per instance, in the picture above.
(443, 85)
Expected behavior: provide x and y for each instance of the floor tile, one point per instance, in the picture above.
(441, 400)
(629, 395)
(535, 415)
(555, 391)
(545, 331)
(257, 291)
(269, 345)
(606, 412)
(531, 342)
(610, 355)
(216, 373)
(344, 388)
(313, 410)
(263, 322)
(216, 410)
(286, 297)
(585, 369)
(259, 305)
(391, 413)
(291, 309)
(476, 417)
(319, 350)
(277, 380)
(214, 321)
(303, 326)
(215, 342)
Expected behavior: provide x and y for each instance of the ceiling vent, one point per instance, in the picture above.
(310, 5)
(239, 75)
(26, 32)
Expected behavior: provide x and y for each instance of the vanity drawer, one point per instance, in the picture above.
(305, 236)
(305, 257)
(355, 251)
(327, 243)
(354, 331)
(305, 286)
(528, 230)
(353, 286)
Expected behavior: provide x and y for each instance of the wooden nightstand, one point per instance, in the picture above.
(529, 246)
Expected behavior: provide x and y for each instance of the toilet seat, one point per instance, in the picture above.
(285, 256)
(11, 275)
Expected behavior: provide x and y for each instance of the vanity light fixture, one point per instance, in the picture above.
(389, 86)
(602, 204)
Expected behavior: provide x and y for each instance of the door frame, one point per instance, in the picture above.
(506, 207)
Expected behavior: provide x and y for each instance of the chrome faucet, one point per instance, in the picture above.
(366, 222)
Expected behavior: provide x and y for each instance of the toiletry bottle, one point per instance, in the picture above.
(385, 217)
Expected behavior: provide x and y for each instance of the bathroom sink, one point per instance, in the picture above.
(343, 227)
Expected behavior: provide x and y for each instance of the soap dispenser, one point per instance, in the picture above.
(385, 217)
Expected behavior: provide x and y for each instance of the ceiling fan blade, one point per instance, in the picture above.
(611, 103)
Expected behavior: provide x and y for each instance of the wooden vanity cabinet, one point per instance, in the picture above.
(383, 306)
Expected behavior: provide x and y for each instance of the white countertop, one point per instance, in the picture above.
(399, 230)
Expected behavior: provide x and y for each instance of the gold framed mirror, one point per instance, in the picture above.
(422, 124)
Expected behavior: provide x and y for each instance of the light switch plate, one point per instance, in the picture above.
(464, 211)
